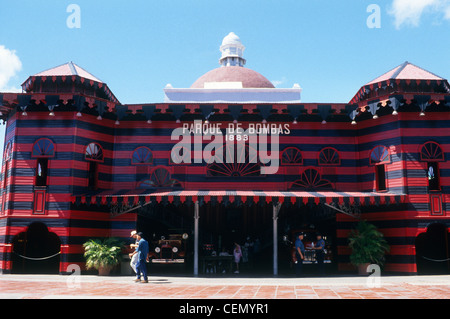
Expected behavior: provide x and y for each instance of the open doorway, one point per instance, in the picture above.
(312, 220)
(248, 225)
(168, 229)
(432, 250)
(35, 251)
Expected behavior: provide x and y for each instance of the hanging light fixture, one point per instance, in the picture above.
(394, 112)
(149, 121)
(324, 122)
(117, 122)
(51, 108)
(422, 113)
(24, 110)
(375, 116)
(78, 114)
(354, 122)
(99, 117)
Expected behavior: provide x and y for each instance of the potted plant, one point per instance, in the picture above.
(368, 246)
(102, 254)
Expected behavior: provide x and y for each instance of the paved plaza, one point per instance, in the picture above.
(162, 287)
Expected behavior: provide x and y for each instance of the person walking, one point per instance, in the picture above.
(319, 247)
(134, 257)
(237, 253)
(299, 254)
(142, 252)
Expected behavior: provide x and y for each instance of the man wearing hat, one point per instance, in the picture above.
(133, 256)
(142, 251)
(320, 253)
(299, 254)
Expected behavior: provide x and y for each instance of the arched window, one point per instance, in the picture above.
(43, 148)
(291, 156)
(160, 177)
(8, 151)
(6, 168)
(94, 152)
(311, 180)
(142, 156)
(329, 156)
(379, 155)
(431, 152)
(238, 161)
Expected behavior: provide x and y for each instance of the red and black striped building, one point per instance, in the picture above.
(79, 164)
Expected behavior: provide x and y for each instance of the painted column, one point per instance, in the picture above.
(196, 218)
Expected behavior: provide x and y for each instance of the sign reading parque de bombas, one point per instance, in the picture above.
(231, 143)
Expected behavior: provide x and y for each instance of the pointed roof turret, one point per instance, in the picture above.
(407, 71)
(69, 69)
(406, 77)
(68, 78)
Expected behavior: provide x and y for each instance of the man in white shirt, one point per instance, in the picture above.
(134, 257)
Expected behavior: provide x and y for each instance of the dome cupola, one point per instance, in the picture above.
(232, 51)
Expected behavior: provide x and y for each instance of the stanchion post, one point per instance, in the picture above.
(196, 218)
(276, 210)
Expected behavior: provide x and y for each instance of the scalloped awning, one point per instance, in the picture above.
(141, 196)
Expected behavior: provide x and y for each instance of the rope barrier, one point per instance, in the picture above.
(436, 260)
(41, 258)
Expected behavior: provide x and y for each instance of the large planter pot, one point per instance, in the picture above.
(104, 271)
(362, 269)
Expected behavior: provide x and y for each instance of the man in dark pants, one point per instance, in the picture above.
(299, 254)
(142, 250)
(320, 254)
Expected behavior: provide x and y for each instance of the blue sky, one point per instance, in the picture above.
(139, 46)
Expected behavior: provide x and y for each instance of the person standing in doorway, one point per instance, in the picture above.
(142, 252)
(237, 253)
(134, 257)
(319, 247)
(299, 254)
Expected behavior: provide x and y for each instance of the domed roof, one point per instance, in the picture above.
(231, 38)
(247, 77)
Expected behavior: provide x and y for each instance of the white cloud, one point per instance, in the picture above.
(447, 13)
(10, 64)
(409, 12)
(277, 83)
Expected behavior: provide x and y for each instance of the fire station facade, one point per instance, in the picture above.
(79, 164)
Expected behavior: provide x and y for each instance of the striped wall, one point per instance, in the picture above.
(68, 174)
(403, 135)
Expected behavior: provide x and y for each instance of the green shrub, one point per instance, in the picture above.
(102, 252)
(367, 244)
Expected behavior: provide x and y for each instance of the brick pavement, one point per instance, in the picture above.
(36, 287)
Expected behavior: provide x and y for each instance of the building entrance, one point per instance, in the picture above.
(432, 250)
(36, 251)
(312, 220)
